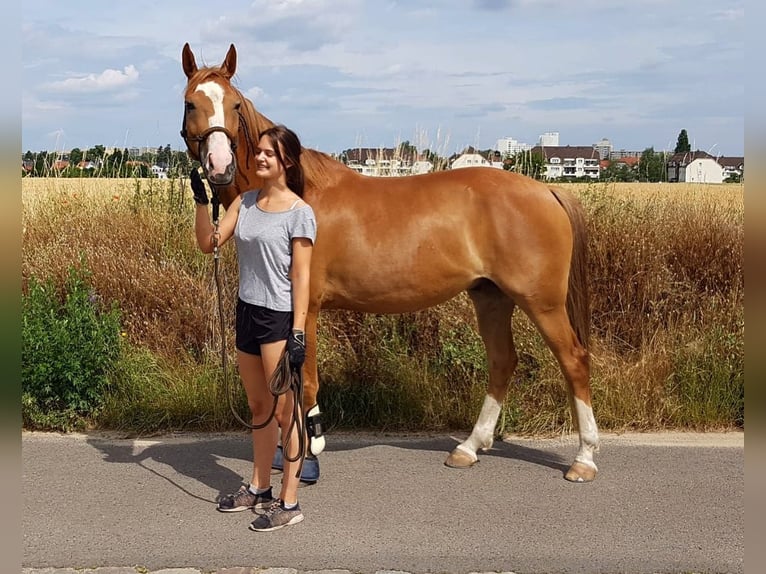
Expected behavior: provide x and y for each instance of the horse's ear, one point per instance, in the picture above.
(229, 65)
(189, 63)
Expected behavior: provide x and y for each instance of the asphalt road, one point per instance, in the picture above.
(661, 503)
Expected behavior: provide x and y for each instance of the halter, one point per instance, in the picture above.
(243, 126)
(204, 135)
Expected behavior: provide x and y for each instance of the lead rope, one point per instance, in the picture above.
(283, 377)
(222, 328)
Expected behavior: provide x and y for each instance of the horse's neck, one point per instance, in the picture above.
(250, 129)
(320, 170)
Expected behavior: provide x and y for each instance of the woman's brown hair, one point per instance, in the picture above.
(287, 148)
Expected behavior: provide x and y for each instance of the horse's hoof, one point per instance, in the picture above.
(459, 458)
(580, 472)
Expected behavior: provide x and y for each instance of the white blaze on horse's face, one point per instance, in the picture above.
(215, 153)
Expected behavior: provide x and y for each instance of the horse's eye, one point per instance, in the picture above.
(188, 106)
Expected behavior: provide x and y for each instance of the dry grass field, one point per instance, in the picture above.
(667, 297)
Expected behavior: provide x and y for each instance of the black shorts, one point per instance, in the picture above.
(258, 325)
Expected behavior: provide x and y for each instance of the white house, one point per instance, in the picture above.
(421, 166)
(474, 160)
(159, 172)
(732, 166)
(694, 167)
(378, 162)
(569, 161)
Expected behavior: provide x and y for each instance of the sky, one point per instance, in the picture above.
(441, 74)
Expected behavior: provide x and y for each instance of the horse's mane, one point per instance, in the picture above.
(319, 169)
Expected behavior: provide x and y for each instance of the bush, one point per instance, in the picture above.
(68, 346)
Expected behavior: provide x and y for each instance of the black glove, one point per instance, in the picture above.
(198, 188)
(296, 349)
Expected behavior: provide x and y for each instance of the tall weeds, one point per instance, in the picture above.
(667, 289)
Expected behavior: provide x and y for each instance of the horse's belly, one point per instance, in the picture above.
(392, 293)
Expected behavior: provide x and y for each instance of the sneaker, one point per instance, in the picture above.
(276, 517)
(243, 499)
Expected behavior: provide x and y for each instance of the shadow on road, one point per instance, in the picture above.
(201, 460)
(446, 443)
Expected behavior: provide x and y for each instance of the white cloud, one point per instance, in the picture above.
(255, 94)
(105, 81)
(733, 14)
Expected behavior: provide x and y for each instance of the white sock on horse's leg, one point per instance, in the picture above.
(483, 432)
(588, 433)
(316, 434)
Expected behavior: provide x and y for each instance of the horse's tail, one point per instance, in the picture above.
(578, 297)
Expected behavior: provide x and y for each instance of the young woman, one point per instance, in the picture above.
(274, 231)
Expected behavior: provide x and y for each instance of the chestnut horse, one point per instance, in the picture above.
(402, 244)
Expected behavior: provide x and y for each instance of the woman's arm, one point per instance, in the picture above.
(300, 271)
(204, 228)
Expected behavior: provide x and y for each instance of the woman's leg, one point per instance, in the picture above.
(291, 445)
(271, 354)
(252, 369)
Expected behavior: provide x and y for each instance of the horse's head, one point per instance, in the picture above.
(212, 116)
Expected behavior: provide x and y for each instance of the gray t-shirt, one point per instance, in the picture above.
(264, 251)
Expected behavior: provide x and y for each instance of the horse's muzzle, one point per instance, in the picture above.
(224, 177)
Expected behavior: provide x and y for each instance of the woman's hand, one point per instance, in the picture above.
(198, 188)
(296, 349)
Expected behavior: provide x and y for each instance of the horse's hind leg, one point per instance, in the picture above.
(573, 359)
(493, 311)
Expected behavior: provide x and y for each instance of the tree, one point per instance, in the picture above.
(526, 163)
(406, 151)
(682, 145)
(618, 171)
(439, 163)
(114, 163)
(651, 166)
(163, 156)
(180, 163)
(43, 164)
(75, 156)
(95, 153)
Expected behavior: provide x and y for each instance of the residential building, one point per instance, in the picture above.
(378, 162)
(548, 139)
(604, 148)
(159, 171)
(694, 167)
(471, 157)
(421, 166)
(629, 161)
(473, 160)
(622, 153)
(569, 161)
(732, 166)
(509, 147)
